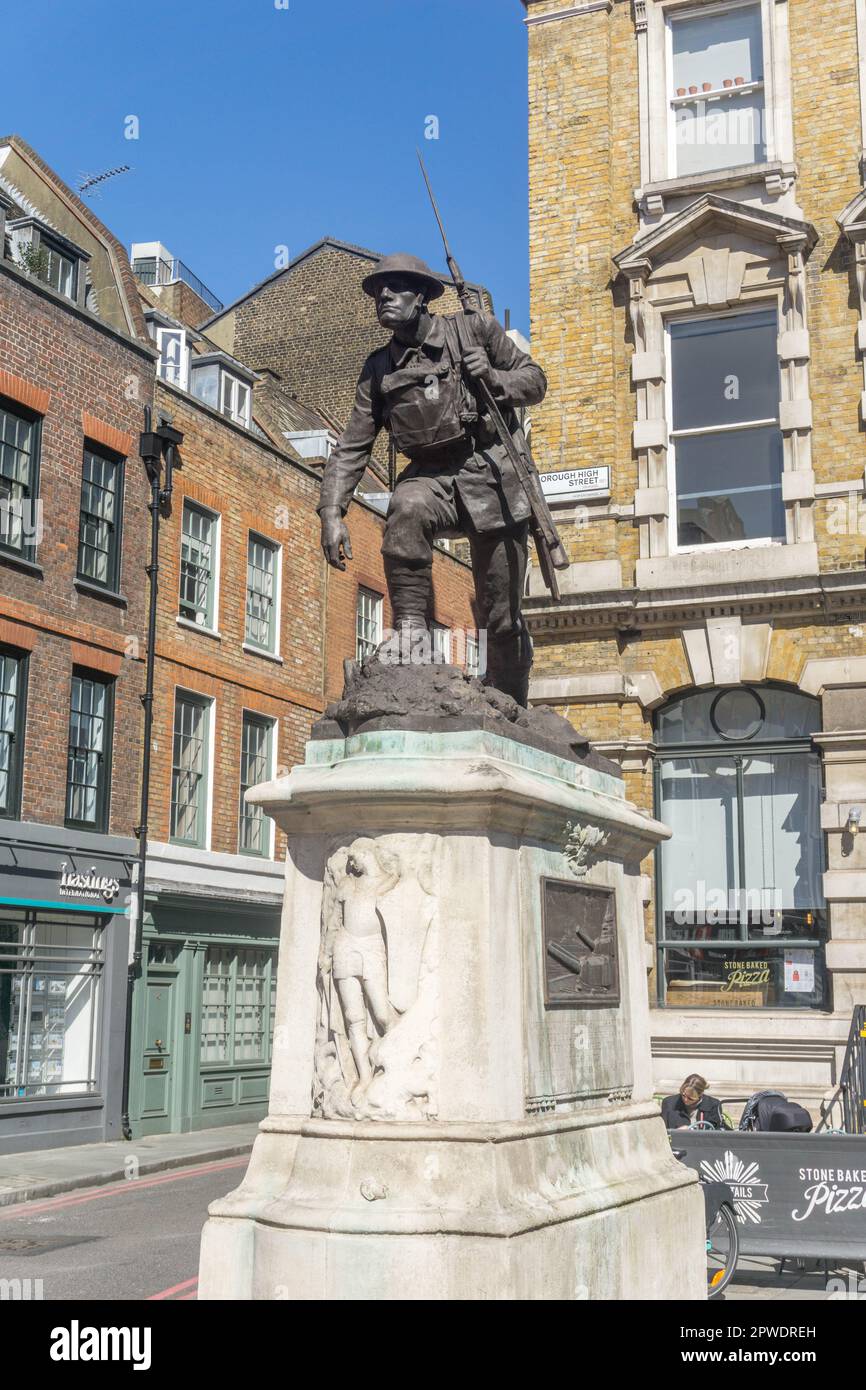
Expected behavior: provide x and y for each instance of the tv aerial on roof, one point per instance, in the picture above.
(90, 182)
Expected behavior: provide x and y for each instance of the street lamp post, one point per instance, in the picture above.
(158, 449)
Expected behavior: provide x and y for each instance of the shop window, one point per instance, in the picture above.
(13, 687)
(741, 919)
(88, 775)
(190, 770)
(238, 1005)
(99, 529)
(198, 576)
(717, 99)
(19, 474)
(725, 440)
(257, 744)
(262, 608)
(368, 623)
(50, 978)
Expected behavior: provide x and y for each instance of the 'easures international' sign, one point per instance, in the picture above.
(87, 885)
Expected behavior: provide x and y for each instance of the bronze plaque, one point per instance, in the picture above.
(581, 970)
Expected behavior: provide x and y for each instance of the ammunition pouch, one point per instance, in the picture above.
(427, 404)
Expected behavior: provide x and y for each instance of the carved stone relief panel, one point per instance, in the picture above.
(376, 1054)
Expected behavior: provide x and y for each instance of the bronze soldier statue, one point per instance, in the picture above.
(437, 387)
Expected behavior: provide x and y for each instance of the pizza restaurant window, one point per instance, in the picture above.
(741, 917)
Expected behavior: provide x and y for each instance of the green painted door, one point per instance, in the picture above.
(159, 1060)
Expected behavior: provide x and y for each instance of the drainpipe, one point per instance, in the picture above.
(155, 447)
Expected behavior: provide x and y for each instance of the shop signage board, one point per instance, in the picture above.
(794, 1194)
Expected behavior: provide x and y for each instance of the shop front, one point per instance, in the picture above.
(203, 1011)
(742, 983)
(64, 949)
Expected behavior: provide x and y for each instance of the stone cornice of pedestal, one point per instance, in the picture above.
(464, 781)
(839, 592)
(474, 1132)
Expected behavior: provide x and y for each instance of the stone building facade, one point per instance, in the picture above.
(698, 285)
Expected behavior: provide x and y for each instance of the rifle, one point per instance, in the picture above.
(551, 552)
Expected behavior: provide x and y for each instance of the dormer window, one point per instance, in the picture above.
(173, 356)
(220, 382)
(47, 256)
(235, 400)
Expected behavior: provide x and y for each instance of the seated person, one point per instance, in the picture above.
(691, 1105)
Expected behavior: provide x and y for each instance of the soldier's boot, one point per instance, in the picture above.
(509, 662)
(410, 588)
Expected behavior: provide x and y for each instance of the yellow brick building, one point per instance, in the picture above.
(698, 287)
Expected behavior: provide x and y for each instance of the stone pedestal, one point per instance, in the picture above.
(460, 1103)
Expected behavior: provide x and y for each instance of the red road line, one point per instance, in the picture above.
(20, 1209)
(174, 1288)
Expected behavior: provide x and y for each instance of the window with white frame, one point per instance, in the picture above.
(19, 475)
(441, 639)
(190, 770)
(368, 623)
(13, 686)
(173, 356)
(262, 607)
(198, 558)
(473, 654)
(88, 768)
(235, 399)
(716, 88)
(257, 753)
(59, 270)
(238, 1005)
(99, 522)
(725, 441)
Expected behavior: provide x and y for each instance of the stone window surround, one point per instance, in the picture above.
(852, 224)
(721, 291)
(658, 181)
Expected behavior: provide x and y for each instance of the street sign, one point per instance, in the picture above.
(576, 482)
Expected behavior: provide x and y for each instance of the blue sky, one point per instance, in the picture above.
(262, 127)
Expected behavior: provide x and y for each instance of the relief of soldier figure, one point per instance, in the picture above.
(447, 389)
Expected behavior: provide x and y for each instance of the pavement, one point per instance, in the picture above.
(45, 1172)
(761, 1277)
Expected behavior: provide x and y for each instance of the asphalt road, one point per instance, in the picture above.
(130, 1240)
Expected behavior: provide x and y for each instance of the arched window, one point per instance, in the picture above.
(741, 919)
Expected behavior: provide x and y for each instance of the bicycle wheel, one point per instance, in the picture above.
(723, 1248)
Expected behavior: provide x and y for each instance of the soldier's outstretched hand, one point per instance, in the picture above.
(336, 542)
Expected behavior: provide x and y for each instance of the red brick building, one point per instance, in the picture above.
(75, 373)
(252, 633)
